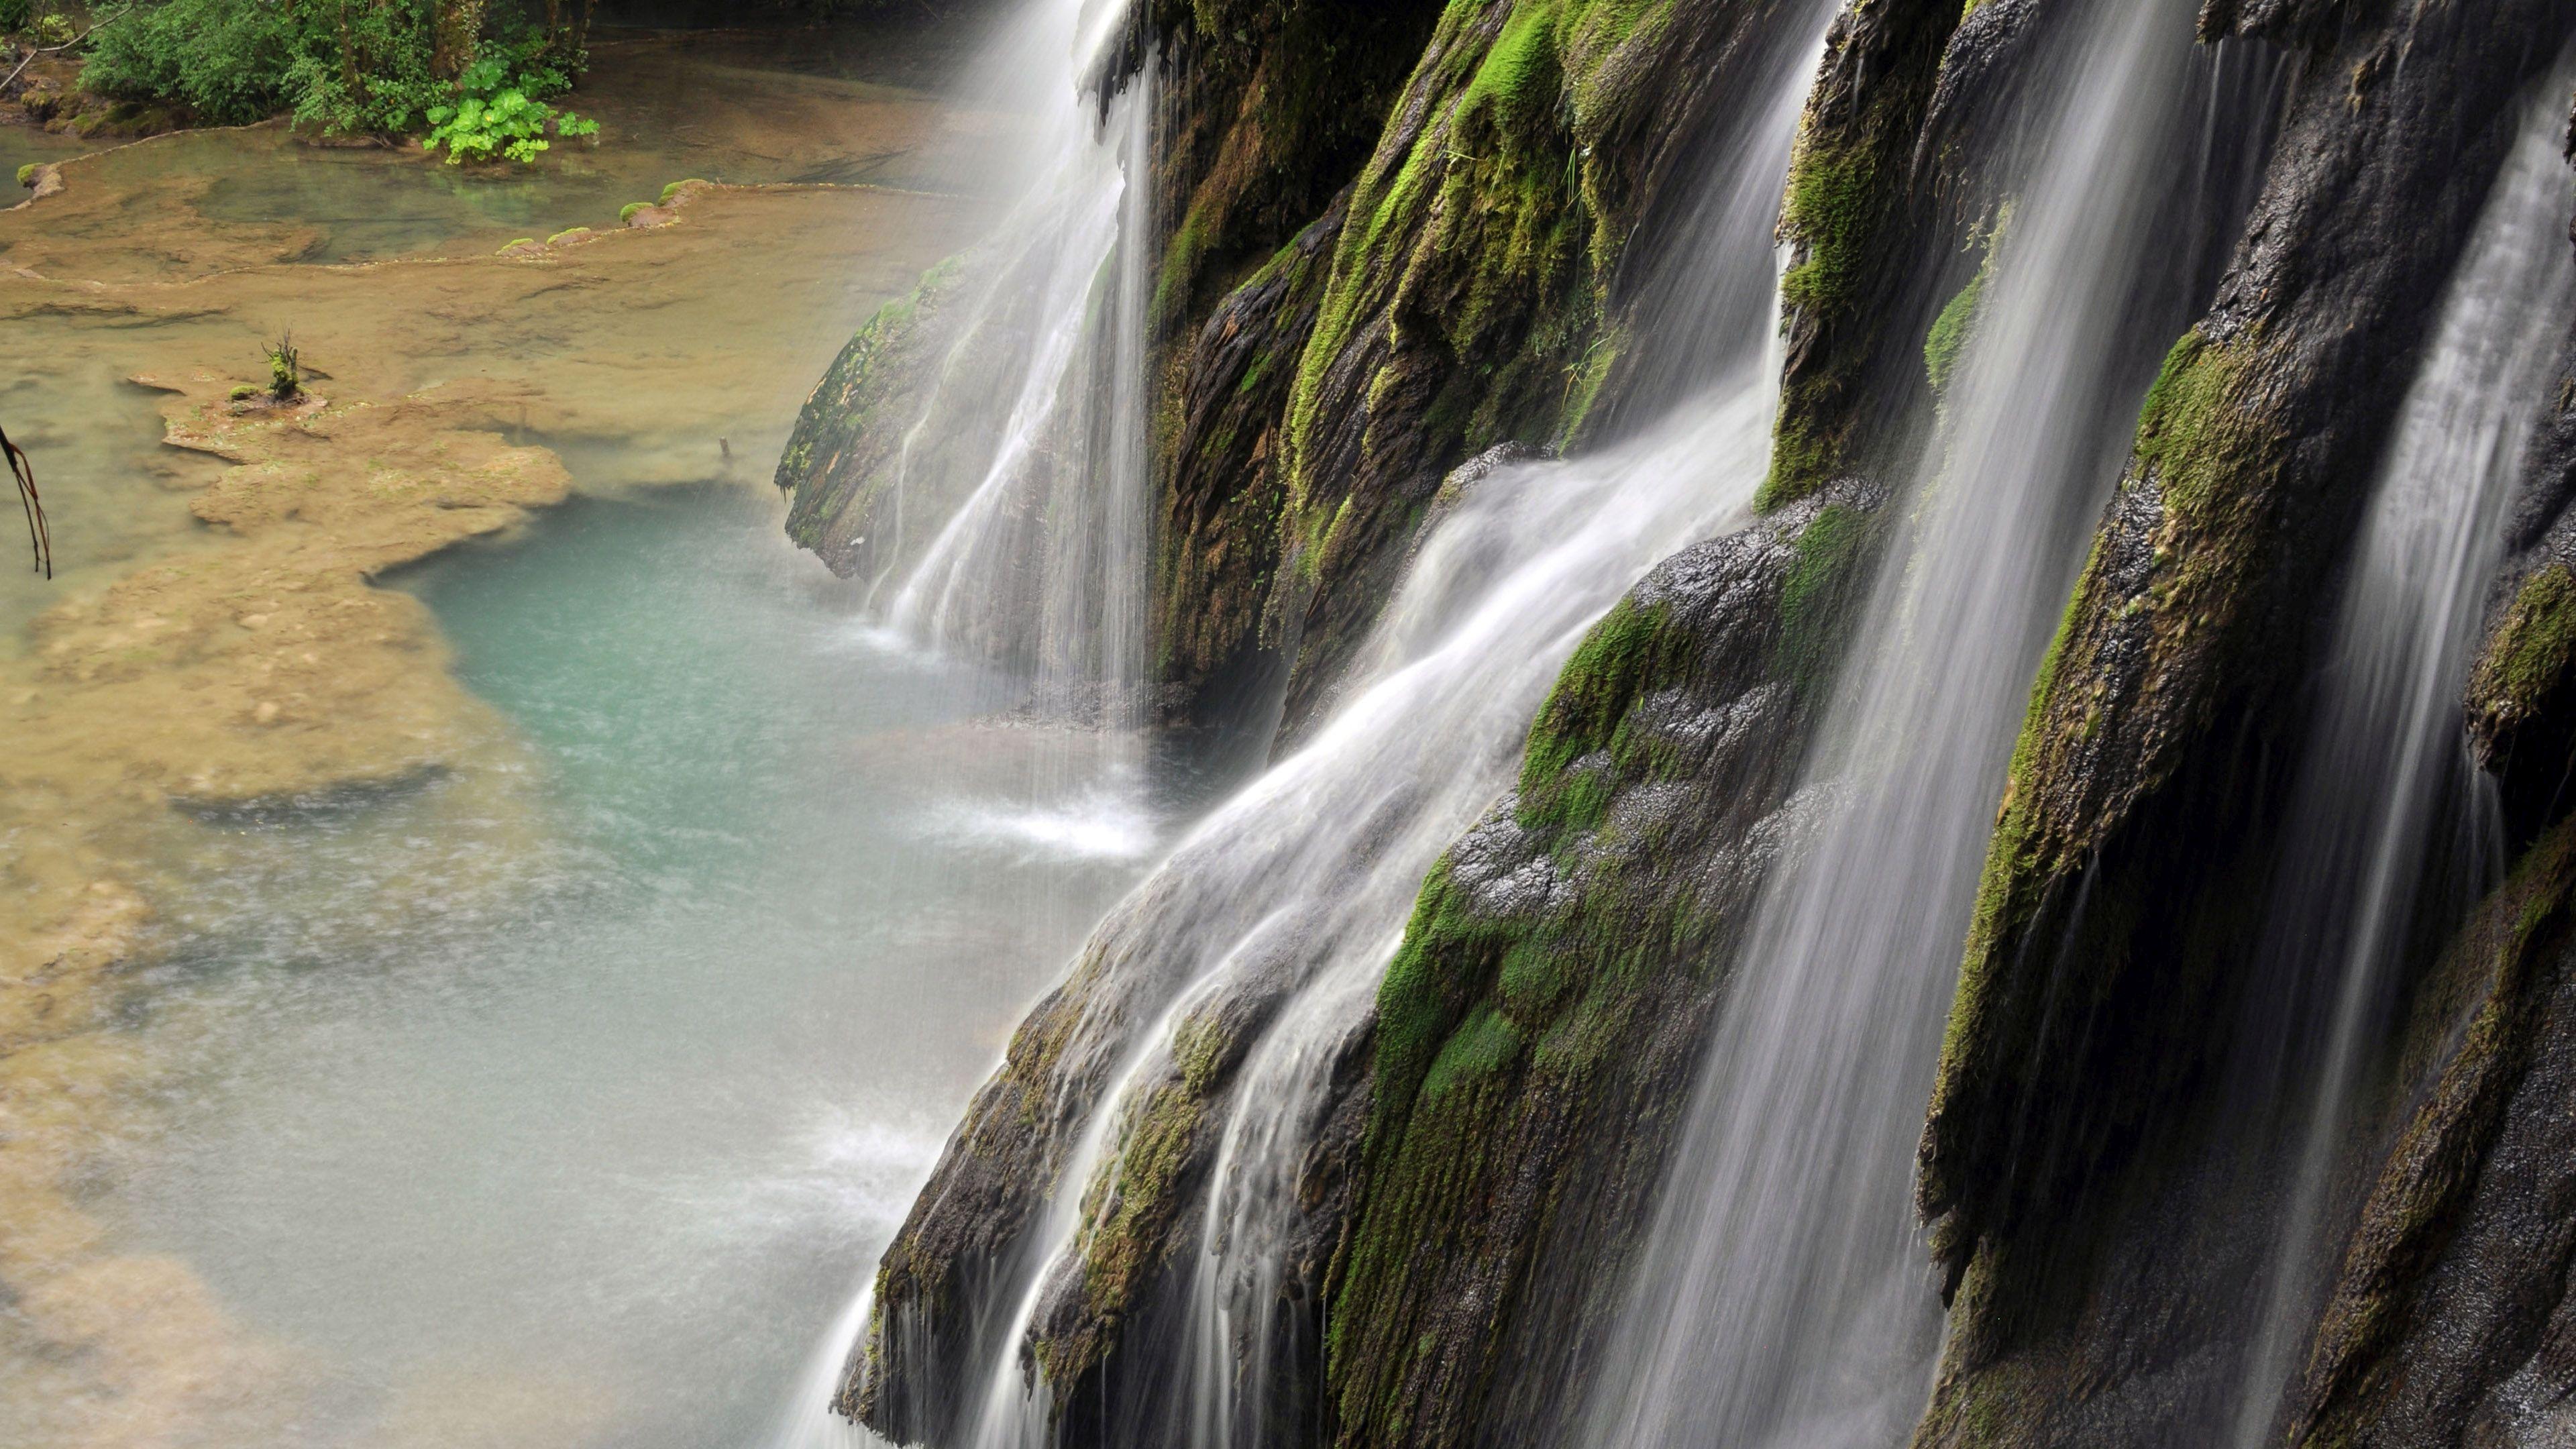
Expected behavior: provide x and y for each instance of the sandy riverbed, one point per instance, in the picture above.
(215, 646)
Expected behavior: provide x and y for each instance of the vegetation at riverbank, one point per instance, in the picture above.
(384, 69)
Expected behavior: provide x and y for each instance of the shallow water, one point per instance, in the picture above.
(597, 1152)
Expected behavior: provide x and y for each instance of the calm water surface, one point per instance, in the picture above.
(592, 1154)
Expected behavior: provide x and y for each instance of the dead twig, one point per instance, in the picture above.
(30, 57)
(39, 538)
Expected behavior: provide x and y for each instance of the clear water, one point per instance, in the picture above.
(589, 1149)
(744, 107)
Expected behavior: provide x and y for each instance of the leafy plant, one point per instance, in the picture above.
(285, 369)
(342, 69)
(14, 14)
(498, 117)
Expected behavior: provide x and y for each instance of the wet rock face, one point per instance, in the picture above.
(948, 1275)
(1220, 544)
(2114, 919)
(843, 461)
(2452, 1318)
(2521, 704)
(1540, 1029)
(1476, 296)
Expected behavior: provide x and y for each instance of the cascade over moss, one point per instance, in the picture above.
(2114, 915)
(1848, 219)
(1540, 1026)
(1475, 294)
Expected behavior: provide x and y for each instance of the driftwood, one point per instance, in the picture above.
(75, 41)
(39, 538)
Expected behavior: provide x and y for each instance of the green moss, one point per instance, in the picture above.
(1610, 669)
(1833, 551)
(1484, 1044)
(559, 238)
(1830, 210)
(525, 241)
(27, 174)
(1520, 78)
(627, 212)
(2532, 652)
(1950, 331)
(673, 190)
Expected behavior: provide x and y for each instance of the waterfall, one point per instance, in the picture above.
(2385, 762)
(1033, 435)
(1782, 1298)
(1284, 907)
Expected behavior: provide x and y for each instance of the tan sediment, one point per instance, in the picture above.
(237, 656)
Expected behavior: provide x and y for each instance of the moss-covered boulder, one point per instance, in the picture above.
(845, 465)
(2521, 702)
(1856, 217)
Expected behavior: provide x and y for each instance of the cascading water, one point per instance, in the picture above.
(1288, 903)
(2384, 763)
(1295, 895)
(1781, 1298)
(1720, 308)
(1032, 435)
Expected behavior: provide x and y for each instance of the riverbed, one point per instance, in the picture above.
(496, 935)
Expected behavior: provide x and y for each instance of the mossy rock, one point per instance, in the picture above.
(627, 212)
(28, 174)
(570, 237)
(676, 189)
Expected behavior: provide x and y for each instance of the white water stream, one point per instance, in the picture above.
(2385, 758)
(1297, 891)
(1783, 1299)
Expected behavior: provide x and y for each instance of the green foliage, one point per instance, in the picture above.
(285, 369)
(341, 70)
(14, 14)
(499, 114)
(226, 60)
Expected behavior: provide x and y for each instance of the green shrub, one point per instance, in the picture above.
(285, 369)
(226, 60)
(497, 116)
(14, 14)
(340, 69)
